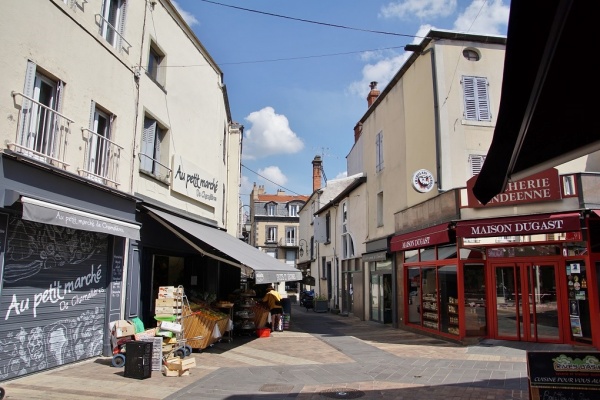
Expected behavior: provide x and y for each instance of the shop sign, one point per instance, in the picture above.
(371, 257)
(524, 225)
(193, 182)
(422, 181)
(564, 375)
(544, 186)
(438, 234)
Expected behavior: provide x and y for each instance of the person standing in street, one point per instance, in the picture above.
(273, 301)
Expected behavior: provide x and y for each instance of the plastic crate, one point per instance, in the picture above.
(138, 360)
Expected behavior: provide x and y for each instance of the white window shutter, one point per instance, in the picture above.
(148, 137)
(26, 106)
(122, 21)
(470, 102)
(92, 115)
(483, 106)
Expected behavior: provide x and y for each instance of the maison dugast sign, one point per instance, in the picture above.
(192, 181)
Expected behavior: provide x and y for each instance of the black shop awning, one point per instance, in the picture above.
(547, 107)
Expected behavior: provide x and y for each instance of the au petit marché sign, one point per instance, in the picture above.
(544, 186)
(192, 181)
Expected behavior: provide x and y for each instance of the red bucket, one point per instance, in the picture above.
(263, 332)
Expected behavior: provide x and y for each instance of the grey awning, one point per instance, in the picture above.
(53, 214)
(266, 268)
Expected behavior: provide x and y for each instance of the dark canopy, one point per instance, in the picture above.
(549, 88)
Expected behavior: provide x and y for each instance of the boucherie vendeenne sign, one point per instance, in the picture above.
(544, 186)
(192, 181)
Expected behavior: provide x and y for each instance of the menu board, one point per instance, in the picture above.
(564, 375)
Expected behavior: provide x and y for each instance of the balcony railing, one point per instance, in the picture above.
(102, 157)
(41, 133)
(153, 167)
(288, 242)
(110, 33)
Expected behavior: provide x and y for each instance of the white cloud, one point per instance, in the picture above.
(274, 178)
(341, 175)
(187, 17)
(270, 134)
(422, 9)
(245, 188)
(489, 17)
(381, 71)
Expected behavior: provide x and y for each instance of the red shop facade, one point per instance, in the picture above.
(532, 277)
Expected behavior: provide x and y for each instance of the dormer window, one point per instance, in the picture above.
(271, 209)
(293, 210)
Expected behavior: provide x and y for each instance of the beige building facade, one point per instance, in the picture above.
(120, 173)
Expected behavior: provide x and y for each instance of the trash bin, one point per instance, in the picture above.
(138, 360)
(286, 304)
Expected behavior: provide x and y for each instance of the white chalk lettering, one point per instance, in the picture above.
(56, 293)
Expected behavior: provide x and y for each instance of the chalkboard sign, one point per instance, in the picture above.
(564, 375)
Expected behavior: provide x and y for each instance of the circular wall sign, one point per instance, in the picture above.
(423, 181)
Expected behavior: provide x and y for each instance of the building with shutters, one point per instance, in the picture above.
(118, 174)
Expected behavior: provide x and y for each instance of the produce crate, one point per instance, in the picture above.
(261, 314)
(198, 328)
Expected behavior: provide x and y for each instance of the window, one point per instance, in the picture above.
(154, 154)
(271, 234)
(313, 210)
(471, 54)
(98, 150)
(41, 131)
(290, 257)
(380, 209)
(155, 62)
(271, 252)
(113, 21)
(476, 162)
(477, 103)
(290, 235)
(328, 228)
(271, 209)
(379, 152)
(293, 210)
(347, 242)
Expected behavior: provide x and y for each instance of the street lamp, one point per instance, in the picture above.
(301, 251)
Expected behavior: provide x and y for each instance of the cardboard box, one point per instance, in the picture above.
(123, 328)
(160, 310)
(170, 326)
(181, 365)
(169, 292)
(168, 302)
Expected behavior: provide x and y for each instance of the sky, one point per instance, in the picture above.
(297, 72)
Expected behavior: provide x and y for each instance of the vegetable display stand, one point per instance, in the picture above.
(203, 327)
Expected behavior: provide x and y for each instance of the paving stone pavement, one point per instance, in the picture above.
(322, 356)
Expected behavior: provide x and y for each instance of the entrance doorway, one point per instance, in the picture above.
(526, 302)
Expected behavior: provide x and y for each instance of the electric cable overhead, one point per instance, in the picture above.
(309, 21)
(274, 183)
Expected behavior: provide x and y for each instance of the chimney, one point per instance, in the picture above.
(373, 94)
(317, 164)
(357, 131)
(280, 192)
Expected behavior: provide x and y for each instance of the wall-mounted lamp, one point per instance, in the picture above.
(301, 251)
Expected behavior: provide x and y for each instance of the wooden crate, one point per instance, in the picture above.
(198, 329)
(261, 315)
